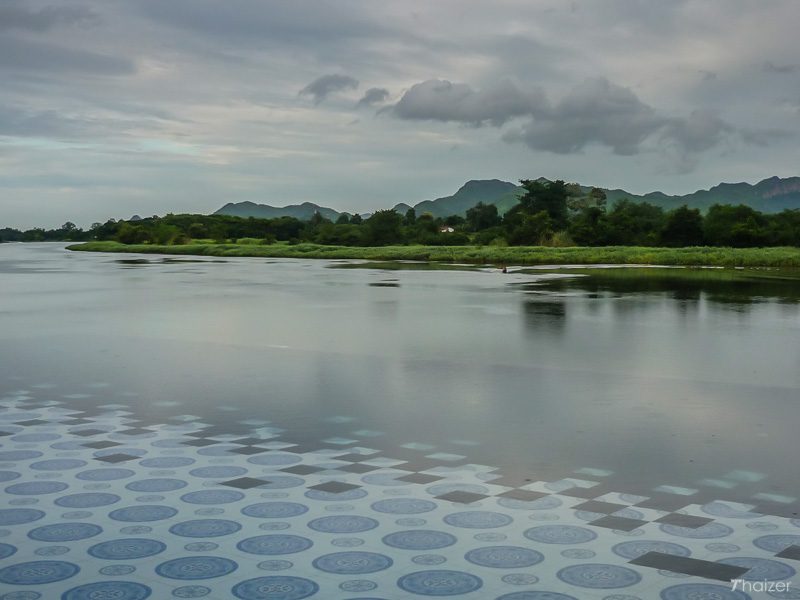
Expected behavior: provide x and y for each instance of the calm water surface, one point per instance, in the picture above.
(657, 380)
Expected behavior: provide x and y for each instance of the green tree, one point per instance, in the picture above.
(535, 230)
(385, 228)
(411, 216)
(683, 227)
(549, 196)
(483, 216)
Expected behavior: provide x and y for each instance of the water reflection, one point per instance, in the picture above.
(689, 285)
(544, 314)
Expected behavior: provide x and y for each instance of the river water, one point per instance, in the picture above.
(646, 379)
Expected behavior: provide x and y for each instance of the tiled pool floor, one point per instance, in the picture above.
(97, 505)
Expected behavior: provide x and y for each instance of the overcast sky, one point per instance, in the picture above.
(110, 108)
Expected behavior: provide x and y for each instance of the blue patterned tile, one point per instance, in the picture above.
(439, 583)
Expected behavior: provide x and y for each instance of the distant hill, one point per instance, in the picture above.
(304, 211)
(768, 196)
(490, 191)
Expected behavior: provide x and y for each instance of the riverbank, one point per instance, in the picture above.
(516, 255)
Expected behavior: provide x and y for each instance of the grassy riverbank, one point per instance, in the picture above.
(516, 255)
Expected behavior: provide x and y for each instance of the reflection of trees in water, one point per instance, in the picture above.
(544, 315)
(688, 286)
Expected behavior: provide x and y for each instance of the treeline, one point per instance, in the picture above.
(548, 214)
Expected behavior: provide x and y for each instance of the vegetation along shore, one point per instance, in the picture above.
(495, 255)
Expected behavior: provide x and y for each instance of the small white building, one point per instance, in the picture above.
(446, 229)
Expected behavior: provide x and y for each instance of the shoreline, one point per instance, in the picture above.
(480, 255)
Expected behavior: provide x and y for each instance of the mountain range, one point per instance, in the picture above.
(768, 196)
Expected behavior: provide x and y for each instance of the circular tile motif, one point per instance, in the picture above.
(347, 542)
(156, 485)
(51, 550)
(275, 565)
(138, 514)
(117, 570)
(478, 519)
(191, 591)
(64, 532)
(722, 547)
(635, 549)
(331, 497)
(127, 549)
(358, 585)
(343, 524)
(7, 550)
(504, 557)
(118, 590)
(274, 526)
(23, 501)
(35, 488)
(691, 591)
(105, 474)
(707, 531)
(490, 537)
(201, 546)
(761, 569)
(419, 539)
(205, 528)
(196, 567)
(18, 516)
(87, 500)
(58, 464)
(720, 509)
(429, 559)
(21, 596)
(560, 534)
(599, 576)
(275, 510)
(17, 455)
(275, 544)
(38, 572)
(439, 583)
(410, 522)
(776, 543)
(218, 472)
(136, 530)
(578, 553)
(275, 458)
(520, 579)
(212, 497)
(275, 587)
(36, 437)
(352, 563)
(9, 476)
(403, 506)
(762, 526)
(150, 498)
(536, 596)
(166, 462)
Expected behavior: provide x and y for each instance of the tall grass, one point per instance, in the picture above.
(498, 255)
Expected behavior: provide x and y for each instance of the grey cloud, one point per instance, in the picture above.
(14, 15)
(708, 75)
(50, 123)
(26, 55)
(327, 84)
(373, 96)
(700, 131)
(440, 100)
(769, 67)
(598, 111)
(594, 111)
